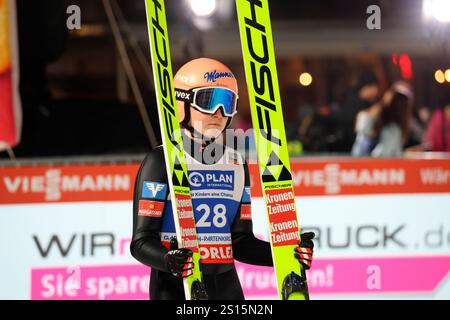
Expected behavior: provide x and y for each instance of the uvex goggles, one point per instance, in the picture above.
(209, 99)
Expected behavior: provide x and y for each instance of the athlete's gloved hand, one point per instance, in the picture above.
(179, 261)
(304, 252)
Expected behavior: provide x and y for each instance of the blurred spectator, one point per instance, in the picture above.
(418, 125)
(362, 97)
(437, 136)
(314, 129)
(382, 129)
(365, 140)
(392, 127)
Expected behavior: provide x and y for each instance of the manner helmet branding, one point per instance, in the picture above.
(214, 75)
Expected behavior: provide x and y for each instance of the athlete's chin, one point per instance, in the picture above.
(212, 133)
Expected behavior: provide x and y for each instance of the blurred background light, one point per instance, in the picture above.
(405, 65)
(305, 79)
(447, 75)
(436, 9)
(439, 76)
(203, 8)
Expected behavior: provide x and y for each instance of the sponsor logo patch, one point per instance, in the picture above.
(246, 198)
(154, 190)
(149, 208)
(216, 253)
(208, 179)
(246, 212)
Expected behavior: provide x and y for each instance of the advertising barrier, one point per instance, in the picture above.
(382, 230)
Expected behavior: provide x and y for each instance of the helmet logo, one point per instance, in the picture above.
(214, 75)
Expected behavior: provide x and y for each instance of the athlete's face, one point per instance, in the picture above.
(210, 125)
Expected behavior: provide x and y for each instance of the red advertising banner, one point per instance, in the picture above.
(365, 176)
(67, 183)
(35, 184)
(10, 114)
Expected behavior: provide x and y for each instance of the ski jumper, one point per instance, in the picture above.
(220, 191)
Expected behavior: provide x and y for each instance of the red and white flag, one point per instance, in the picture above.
(10, 106)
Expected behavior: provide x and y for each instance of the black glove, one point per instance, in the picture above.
(179, 261)
(304, 252)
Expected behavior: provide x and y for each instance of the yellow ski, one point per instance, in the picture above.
(273, 158)
(172, 142)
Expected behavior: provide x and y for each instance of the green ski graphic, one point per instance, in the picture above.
(267, 116)
(172, 142)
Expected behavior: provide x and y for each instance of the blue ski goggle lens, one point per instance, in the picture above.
(209, 99)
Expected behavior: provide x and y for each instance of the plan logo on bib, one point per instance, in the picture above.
(210, 179)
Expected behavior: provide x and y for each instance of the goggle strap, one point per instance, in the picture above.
(184, 95)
